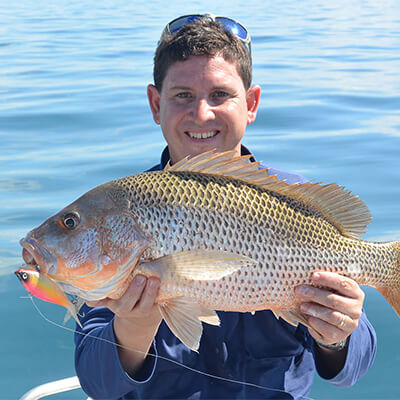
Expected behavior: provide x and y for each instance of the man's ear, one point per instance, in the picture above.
(253, 100)
(154, 100)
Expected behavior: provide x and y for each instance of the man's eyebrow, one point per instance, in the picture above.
(179, 88)
(219, 87)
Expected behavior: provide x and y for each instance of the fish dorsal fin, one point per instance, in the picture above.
(347, 212)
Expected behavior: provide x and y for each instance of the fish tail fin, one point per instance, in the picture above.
(183, 316)
(73, 308)
(392, 293)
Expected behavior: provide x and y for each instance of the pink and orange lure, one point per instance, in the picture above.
(44, 288)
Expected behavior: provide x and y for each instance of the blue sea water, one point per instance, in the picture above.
(74, 114)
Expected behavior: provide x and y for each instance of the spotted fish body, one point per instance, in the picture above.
(220, 233)
(287, 239)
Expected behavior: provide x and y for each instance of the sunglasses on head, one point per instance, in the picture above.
(229, 24)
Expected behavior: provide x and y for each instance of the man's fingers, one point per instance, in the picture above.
(137, 301)
(324, 332)
(128, 301)
(148, 298)
(335, 292)
(334, 318)
(331, 301)
(341, 284)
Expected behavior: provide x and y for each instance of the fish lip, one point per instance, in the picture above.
(34, 254)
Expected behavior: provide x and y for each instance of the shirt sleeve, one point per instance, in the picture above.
(360, 355)
(97, 361)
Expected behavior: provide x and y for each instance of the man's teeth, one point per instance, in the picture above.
(203, 135)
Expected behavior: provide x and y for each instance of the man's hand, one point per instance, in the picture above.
(137, 303)
(136, 322)
(333, 308)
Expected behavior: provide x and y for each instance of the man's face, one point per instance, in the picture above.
(203, 105)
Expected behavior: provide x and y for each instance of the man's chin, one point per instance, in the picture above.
(201, 146)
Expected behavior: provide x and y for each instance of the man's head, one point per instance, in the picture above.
(202, 97)
(202, 36)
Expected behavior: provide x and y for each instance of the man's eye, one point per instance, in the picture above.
(184, 95)
(220, 94)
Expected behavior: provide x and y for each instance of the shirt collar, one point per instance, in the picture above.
(244, 151)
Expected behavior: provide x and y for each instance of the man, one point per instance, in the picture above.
(203, 99)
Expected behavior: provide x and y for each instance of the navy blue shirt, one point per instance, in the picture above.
(275, 359)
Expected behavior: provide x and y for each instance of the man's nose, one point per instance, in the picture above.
(203, 110)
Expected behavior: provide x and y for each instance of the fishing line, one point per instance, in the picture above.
(155, 355)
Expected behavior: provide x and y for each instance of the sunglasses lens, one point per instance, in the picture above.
(233, 26)
(180, 22)
(229, 24)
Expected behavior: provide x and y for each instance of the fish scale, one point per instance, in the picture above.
(220, 233)
(287, 239)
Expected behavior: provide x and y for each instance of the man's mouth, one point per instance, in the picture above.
(202, 135)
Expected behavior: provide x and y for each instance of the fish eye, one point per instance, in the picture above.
(24, 276)
(71, 220)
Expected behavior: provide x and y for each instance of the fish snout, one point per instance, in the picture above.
(37, 256)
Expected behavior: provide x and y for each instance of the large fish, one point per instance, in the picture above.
(220, 233)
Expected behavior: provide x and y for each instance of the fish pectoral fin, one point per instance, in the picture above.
(183, 316)
(199, 264)
(292, 317)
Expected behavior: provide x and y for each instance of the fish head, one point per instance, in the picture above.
(89, 241)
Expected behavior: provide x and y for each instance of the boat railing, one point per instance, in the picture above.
(50, 388)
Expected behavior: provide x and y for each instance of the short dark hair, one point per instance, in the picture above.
(198, 38)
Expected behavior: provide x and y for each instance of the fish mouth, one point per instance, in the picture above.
(37, 256)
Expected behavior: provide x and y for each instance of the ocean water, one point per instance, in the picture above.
(74, 114)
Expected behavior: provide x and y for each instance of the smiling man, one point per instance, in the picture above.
(203, 105)
(203, 99)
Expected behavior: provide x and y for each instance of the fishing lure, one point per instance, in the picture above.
(44, 288)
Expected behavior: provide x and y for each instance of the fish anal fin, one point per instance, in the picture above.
(276, 314)
(292, 317)
(183, 316)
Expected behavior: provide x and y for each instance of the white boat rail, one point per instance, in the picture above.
(50, 388)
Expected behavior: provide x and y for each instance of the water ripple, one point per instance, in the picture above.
(74, 114)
